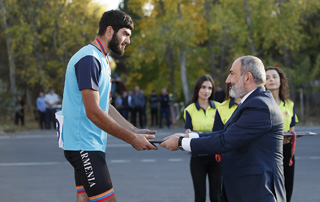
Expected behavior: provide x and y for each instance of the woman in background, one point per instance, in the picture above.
(225, 111)
(199, 116)
(278, 85)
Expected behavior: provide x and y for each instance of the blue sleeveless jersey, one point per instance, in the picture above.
(87, 69)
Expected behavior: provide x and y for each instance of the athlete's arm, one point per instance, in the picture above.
(120, 120)
(113, 112)
(105, 122)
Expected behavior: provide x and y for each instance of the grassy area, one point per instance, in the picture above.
(8, 126)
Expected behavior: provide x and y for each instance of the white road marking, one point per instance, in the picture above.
(307, 157)
(27, 136)
(175, 160)
(148, 160)
(314, 157)
(118, 145)
(31, 164)
(122, 161)
(145, 160)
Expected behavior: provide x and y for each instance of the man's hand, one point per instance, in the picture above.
(141, 142)
(171, 142)
(177, 135)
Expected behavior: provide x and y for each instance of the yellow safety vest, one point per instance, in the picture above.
(202, 120)
(225, 110)
(287, 109)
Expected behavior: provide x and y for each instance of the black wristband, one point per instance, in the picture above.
(180, 143)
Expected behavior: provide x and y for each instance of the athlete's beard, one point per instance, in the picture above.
(237, 89)
(114, 45)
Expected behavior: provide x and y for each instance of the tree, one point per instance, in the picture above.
(11, 56)
(46, 34)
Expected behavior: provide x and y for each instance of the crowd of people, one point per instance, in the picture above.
(132, 105)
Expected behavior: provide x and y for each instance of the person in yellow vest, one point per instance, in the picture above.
(225, 110)
(199, 116)
(278, 85)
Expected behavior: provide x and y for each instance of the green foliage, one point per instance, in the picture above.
(53, 30)
(307, 75)
(276, 27)
(7, 104)
(46, 33)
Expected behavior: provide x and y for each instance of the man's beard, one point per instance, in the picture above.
(114, 45)
(237, 90)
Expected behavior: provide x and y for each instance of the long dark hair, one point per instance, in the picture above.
(284, 88)
(198, 85)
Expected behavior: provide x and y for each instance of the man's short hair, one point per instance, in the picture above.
(116, 19)
(255, 66)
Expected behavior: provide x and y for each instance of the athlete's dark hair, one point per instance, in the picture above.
(116, 19)
(198, 86)
(284, 88)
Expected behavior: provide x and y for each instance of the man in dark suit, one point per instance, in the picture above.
(251, 141)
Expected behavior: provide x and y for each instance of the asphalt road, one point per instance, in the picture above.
(33, 169)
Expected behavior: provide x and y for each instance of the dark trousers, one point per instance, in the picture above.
(144, 116)
(165, 113)
(125, 113)
(50, 117)
(135, 111)
(154, 116)
(42, 119)
(200, 167)
(19, 116)
(288, 171)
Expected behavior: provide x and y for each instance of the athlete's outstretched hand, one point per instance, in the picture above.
(141, 142)
(145, 131)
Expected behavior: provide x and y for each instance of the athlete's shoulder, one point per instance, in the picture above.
(88, 50)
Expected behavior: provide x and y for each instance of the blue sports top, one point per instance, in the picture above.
(87, 69)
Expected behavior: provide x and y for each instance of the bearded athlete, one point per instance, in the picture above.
(87, 115)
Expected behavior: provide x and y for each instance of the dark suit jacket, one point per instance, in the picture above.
(251, 144)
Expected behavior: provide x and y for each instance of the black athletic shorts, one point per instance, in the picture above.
(91, 174)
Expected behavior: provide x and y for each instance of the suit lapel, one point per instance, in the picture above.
(236, 112)
(232, 117)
